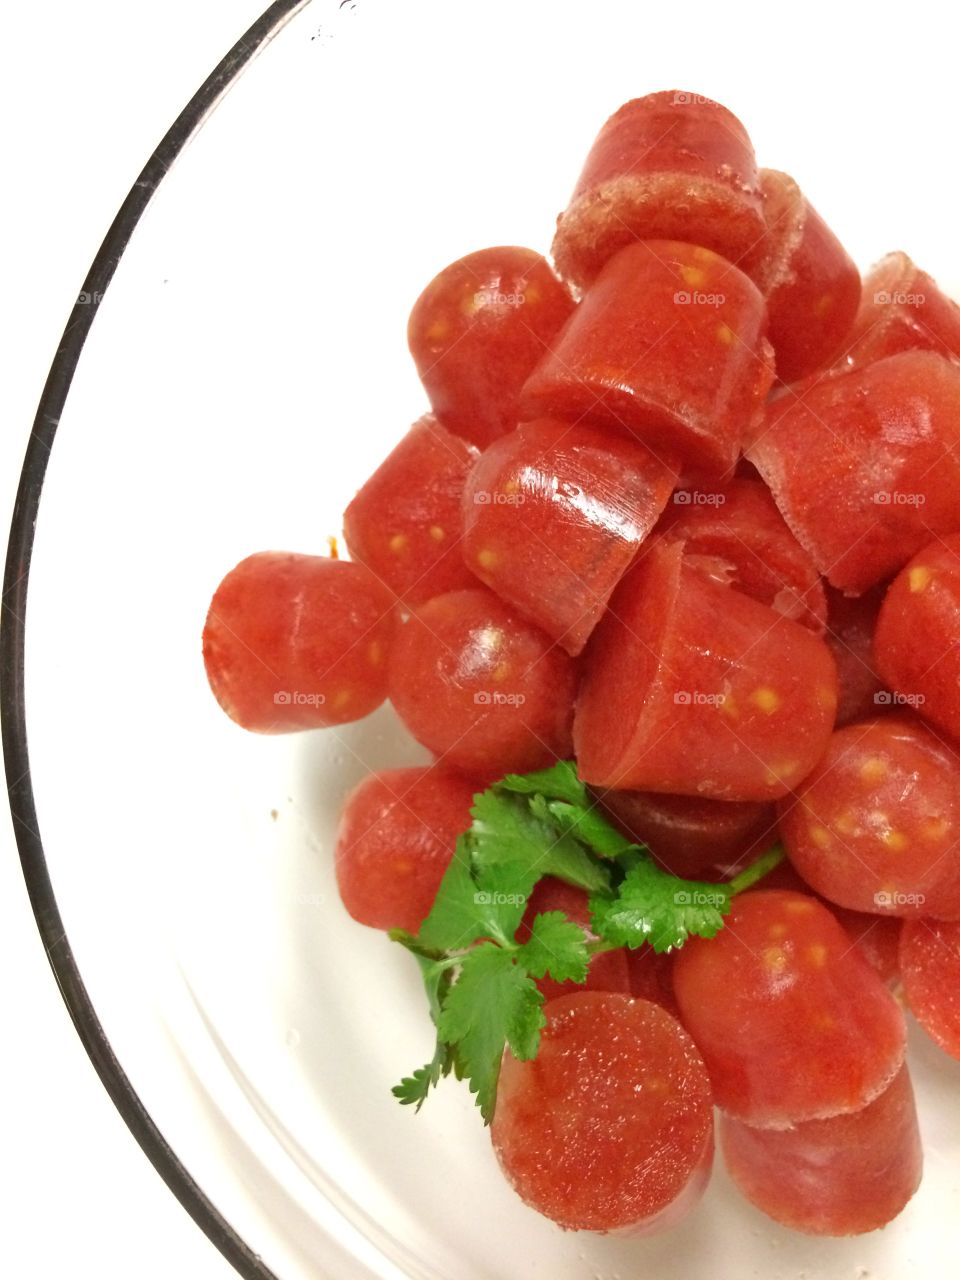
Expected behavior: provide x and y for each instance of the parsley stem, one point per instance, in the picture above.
(749, 876)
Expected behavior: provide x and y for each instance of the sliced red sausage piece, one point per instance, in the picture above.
(486, 690)
(692, 688)
(667, 345)
(876, 826)
(610, 1127)
(608, 970)
(298, 642)
(930, 967)
(553, 515)
(917, 640)
(792, 1021)
(478, 329)
(670, 166)
(836, 1177)
(736, 534)
(902, 309)
(864, 465)
(395, 841)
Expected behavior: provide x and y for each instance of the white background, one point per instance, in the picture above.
(86, 92)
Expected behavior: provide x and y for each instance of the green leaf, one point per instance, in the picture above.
(413, 1089)
(590, 827)
(559, 782)
(652, 906)
(557, 947)
(493, 1003)
(471, 904)
(509, 829)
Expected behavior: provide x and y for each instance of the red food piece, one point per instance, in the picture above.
(651, 977)
(736, 534)
(930, 965)
(610, 1127)
(902, 309)
(810, 282)
(405, 523)
(688, 834)
(608, 969)
(792, 1021)
(850, 625)
(861, 465)
(694, 689)
(670, 166)
(667, 345)
(917, 640)
(298, 642)
(876, 826)
(482, 687)
(395, 841)
(878, 937)
(476, 332)
(836, 1177)
(553, 515)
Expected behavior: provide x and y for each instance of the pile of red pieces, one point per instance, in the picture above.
(688, 510)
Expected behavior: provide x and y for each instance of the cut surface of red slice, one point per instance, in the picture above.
(930, 968)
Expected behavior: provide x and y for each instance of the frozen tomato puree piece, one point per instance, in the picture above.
(691, 688)
(553, 515)
(395, 840)
(670, 166)
(479, 685)
(902, 309)
(878, 937)
(792, 1021)
(405, 523)
(917, 639)
(851, 621)
(608, 970)
(668, 346)
(876, 825)
(737, 535)
(864, 466)
(688, 834)
(476, 332)
(298, 642)
(837, 1177)
(810, 282)
(930, 967)
(610, 1127)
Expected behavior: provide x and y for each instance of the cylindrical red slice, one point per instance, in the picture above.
(695, 689)
(395, 841)
(735, 533)
(610, 1127)
(930, 967)
(876, 826)
(298, 642)
(688, 834)
(837, 1177)
(792, 1021)
(553, 515)
(608, 970)
(865, 466)
(667, 345)
(810, 282)
(878, 937)
(405, 524)
(917, 640)
(476, 332)
(850, 626)
(902, 309)
(671, 166)
(482, 687)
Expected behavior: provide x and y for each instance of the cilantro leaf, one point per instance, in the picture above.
(494, 1002)
(557, 947)
(655, 907)
(472, 904)
(589, 826)
(413, 1089)
(559, 782)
